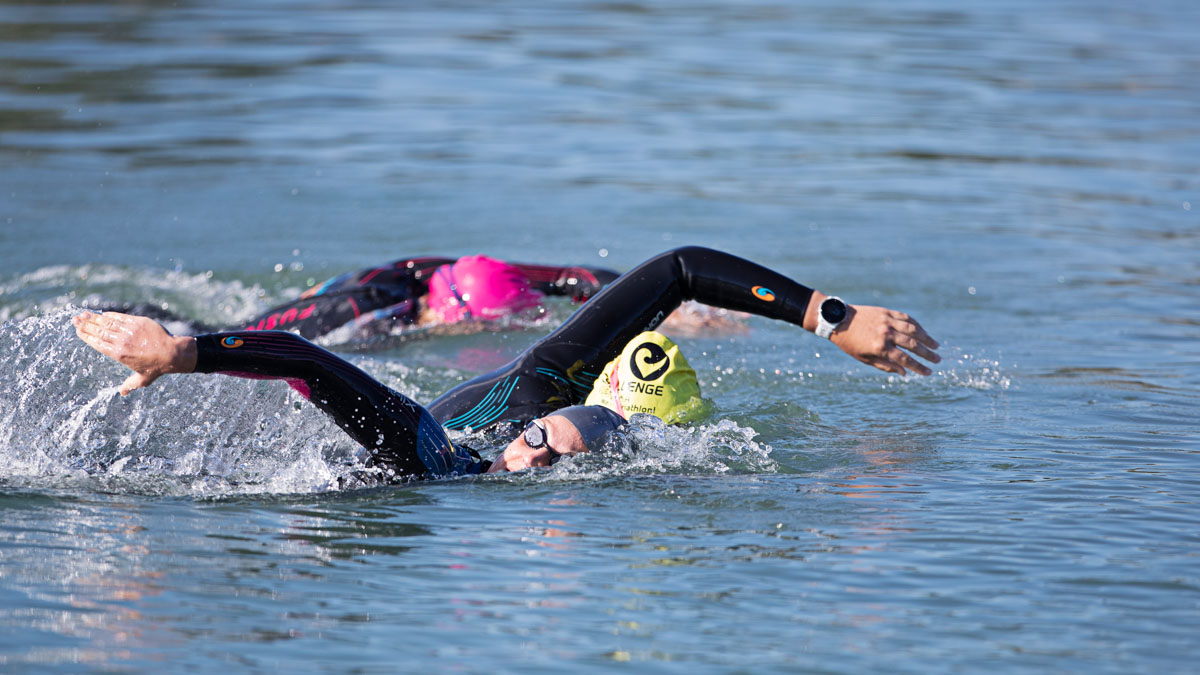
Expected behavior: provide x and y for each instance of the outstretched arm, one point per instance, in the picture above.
(399, 433)
(562, 367)
(641, 298)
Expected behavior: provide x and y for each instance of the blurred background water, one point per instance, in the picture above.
(1019, 175)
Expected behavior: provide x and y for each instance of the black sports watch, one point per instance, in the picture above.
(833, 313)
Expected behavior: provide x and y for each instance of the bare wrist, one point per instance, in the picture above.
(184, 357)
(813, 310)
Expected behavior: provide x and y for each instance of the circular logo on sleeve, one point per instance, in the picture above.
(763, 293)
(232, 342)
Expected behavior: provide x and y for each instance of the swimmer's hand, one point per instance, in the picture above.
(138, 343)
(878, 336)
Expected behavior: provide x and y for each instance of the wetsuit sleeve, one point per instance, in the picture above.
(579, 282)
(401, 436)
(643, 297)
(559, 370)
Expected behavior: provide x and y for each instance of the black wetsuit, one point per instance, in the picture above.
(378, 295)
(556, 372)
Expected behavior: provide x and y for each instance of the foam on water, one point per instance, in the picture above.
(649, 447)
(61, 417)
(195, 296)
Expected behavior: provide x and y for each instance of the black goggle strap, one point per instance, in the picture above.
(448, 275)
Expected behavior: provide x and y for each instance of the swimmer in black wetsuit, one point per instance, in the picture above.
(409, 441)
(420, 291)
(407, 290)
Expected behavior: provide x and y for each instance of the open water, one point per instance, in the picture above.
(1024, 177)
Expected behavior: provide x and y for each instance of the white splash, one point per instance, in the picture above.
(651, 447)
(61, 419)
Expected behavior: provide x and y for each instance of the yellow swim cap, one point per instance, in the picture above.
(650, 376)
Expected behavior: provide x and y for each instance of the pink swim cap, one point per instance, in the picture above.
(479, 287)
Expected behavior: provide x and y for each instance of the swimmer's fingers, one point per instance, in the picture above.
(910, 327)
(93, 331)
(138, 343)
(917, 347)
(877, 336)
(886, 365)
(137, 381)
(911, 336)
(898, 362)
(904, 363)
(110, 334)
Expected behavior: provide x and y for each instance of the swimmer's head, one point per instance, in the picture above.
(569, 431)
(650, 376)
(481, 288)
(593, 422)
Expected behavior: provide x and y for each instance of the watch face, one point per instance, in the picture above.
(833, 310)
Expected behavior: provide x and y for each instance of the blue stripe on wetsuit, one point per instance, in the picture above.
(486, 411)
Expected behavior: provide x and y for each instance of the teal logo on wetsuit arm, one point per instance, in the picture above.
(763, 293)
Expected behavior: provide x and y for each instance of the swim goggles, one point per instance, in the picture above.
(535, 437)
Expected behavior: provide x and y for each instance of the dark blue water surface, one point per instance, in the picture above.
(1024, 177)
